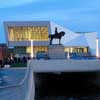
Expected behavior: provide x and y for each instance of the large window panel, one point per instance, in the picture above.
(26, 33)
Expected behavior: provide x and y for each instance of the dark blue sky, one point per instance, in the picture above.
(77, 15)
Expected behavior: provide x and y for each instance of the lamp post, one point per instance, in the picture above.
(97, 47)
(32, 55)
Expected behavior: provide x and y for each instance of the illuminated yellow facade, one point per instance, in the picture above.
(76, 49)
(37, 49)
(26, 33)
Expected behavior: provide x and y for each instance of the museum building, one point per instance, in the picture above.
(20, 33)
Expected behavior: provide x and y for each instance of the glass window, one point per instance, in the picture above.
(26, 33)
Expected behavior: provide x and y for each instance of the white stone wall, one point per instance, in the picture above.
(99, 47)
(65, 65)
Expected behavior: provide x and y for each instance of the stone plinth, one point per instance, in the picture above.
(56, 52)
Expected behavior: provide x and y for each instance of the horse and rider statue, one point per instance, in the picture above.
(56, 36)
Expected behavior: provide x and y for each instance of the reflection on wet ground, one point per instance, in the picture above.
(11, 76)
(67, 86)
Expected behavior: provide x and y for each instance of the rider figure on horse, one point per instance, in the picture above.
(56, 32)
(56, 36)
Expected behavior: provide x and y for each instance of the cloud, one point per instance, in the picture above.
(11, 3)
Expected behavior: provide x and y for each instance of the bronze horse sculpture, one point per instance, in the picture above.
(56, 36)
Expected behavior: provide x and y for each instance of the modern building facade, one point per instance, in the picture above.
(78, 42)
(82, 43)
(19, 35)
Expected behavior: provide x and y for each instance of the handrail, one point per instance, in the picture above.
(21, 82)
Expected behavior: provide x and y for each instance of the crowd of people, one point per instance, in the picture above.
(13, 60)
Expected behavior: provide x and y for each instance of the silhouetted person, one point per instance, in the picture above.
(1, 63)
(15, 60)
(19, 60)
(24, 60)
(56, 32)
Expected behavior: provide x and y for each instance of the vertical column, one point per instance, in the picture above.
(32, 55)
(97, 48)
(68, 54)
(71, 49)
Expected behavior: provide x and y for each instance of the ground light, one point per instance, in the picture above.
(32, 55)
(97, 48)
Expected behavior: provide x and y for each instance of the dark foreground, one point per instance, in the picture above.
(67, 86)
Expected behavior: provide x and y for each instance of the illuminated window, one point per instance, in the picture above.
(76, 49)
(37, 49)
(26, 33)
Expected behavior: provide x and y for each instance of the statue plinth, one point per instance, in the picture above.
(56, 51)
